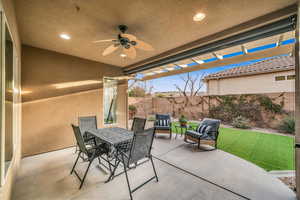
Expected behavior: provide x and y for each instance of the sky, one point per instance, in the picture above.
(166, 84)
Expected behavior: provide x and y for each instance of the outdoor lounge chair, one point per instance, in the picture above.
(91, 154)
(140, 148)
(138, 124)
(163, 124)
(208, 129)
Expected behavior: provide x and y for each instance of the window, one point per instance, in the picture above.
(291, 77)
(9, 97)
(279, 78)
(8, 70)
(110, 87)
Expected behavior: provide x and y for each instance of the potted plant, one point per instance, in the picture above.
(183, 120)
(132, 111)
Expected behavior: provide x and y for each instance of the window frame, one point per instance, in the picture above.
(3, 24)
(291, 75)
(276, 78)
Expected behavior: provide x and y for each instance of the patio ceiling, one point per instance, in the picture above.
(166, 24)
(267, 47)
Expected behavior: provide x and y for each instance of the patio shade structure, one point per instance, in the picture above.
(266, 47)
(52, 72)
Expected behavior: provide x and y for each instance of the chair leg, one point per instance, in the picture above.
(76, 149)
(154, 168)
(125, 169)
(86, 171)
(95, 142)
(113, 172)
(199, 144)
(75, 162)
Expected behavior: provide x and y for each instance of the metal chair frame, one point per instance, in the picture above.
(199, 139)
(120, 158)
(97, 152)
(160, 116)
(137, 120)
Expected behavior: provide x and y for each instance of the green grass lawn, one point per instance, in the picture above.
(269, 151)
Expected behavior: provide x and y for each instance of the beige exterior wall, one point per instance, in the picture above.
(263, 83)
(10, 176)
(47, 122)
(48, 111)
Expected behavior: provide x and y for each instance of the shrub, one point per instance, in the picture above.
(183, 119)
(288, 125)
(151, 118)
(240, 122)
(160, 95)
(137, 91)
(132, 108)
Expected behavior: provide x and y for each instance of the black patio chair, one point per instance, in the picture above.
(86, 123)
(163, 124)
(208, 129)
(91, 154)
(138, 124)
(140, 148)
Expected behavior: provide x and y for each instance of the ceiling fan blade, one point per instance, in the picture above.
(108, 40)
(129, 36)
(109, 49)
(131, 52)
(143, 45)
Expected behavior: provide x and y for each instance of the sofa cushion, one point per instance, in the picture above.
(193, 134)
(163, 122)
(201, 128)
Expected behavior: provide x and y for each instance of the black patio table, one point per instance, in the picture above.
(118, 139)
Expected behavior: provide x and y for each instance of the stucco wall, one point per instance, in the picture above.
(47, 122)
(263, 83)
(48, 111)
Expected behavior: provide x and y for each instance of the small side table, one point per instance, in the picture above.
(182, 129)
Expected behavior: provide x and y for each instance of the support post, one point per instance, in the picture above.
(297, 105)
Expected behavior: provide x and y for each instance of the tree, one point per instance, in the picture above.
(137, 91)
(191, 88)
(142, 89)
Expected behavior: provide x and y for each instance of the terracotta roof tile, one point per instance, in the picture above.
(275, 64)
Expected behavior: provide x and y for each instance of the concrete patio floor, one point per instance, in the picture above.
(184, 173)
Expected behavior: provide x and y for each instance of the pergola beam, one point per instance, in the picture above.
(286, 49)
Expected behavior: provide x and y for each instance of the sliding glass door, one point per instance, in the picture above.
(110, 86)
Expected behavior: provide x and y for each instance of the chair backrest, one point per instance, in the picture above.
(79, 139)
(214, 123)
(138, 124)
(159, 117)
(87, 123)
(141, 145)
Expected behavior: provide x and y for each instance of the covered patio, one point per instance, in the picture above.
(62, 61)
(184, 173)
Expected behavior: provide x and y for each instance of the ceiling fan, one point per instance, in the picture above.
(127, 42)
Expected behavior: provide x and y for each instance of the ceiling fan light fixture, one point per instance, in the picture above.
(133, 43)
(199, 17)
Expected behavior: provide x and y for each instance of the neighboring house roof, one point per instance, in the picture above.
(275, 64)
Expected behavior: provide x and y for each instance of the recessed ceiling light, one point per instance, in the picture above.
(198, 17)
(65, 36)
(123, 55)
